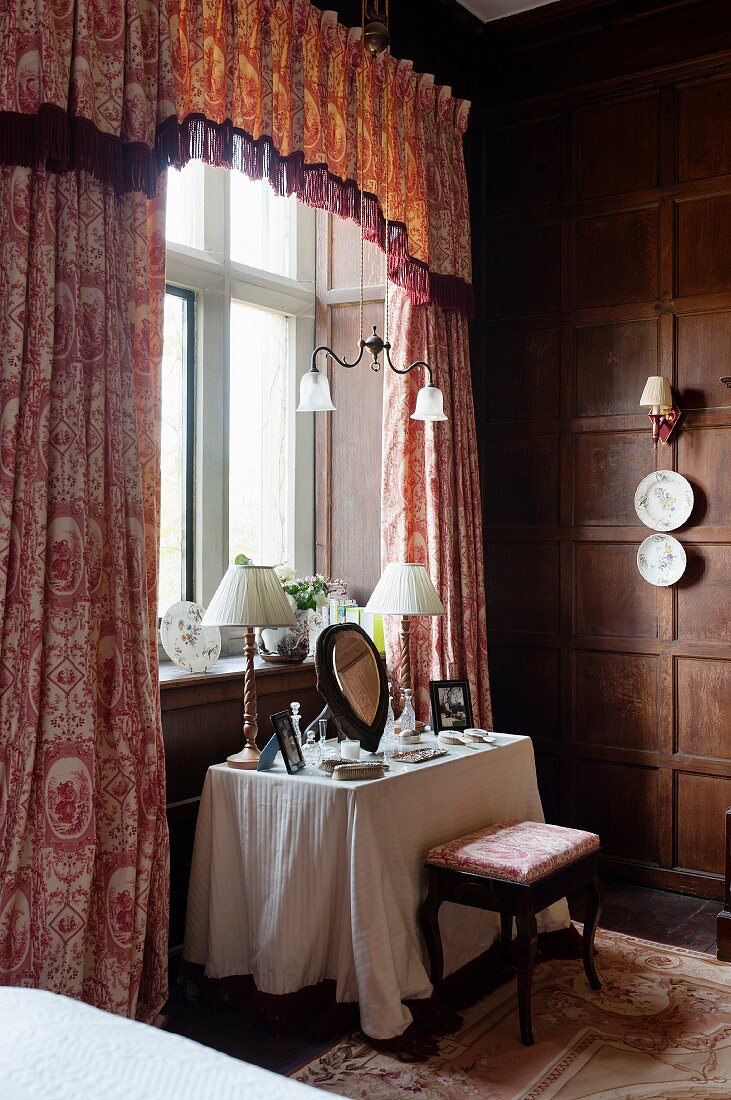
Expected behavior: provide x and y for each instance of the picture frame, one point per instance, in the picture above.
(288, 744)
(451, 705)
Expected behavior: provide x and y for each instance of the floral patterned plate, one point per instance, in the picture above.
(189, 645)
(664, 500)
(661, 560)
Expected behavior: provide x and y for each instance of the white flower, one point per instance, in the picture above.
(285, 573)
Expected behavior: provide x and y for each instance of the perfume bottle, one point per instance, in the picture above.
(408, 718)
(311, 749)
(389, 740)
(323, 736)
(296, 717)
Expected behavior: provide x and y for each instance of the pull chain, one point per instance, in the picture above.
(361, 95)
(387, 113)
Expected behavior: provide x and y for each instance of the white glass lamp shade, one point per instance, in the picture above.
(405, 589)
(315, 393)
(249, 595)
(657, 393)
(429, 404)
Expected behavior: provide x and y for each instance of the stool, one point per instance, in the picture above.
(516, 869)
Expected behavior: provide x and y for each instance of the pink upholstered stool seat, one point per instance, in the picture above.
(516, 869)
(517, 851)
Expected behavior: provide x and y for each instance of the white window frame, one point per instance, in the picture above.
(217, 280)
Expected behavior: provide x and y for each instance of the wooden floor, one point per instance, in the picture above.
(674, 919)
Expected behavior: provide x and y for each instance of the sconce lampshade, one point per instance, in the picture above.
(249, 595)
(315, 393)
(405, 589)
(657, 392)
(429, 404)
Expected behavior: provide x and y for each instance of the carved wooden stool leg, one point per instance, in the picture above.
(526, 946)
(429, 921)
(595, 896)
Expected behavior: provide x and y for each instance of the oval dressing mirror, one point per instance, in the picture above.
(352, 681)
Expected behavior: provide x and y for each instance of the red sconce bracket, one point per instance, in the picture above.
(669, 423)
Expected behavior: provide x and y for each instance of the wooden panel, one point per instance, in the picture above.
(521, 375)
(704, 355)
(521, 167)
(613, 363)
(611, 598)
(704, 245)
(615, 700)
(702, 802)
(523, 272)
(520, 483)
(608, 467)
(523, 586)
(525, 684)
(345, 257)
(703, 457)
(704, 607)
(632, 126)
(356, 470)
(617, 259)
(704, 730)
(620, 803)
(704, 141)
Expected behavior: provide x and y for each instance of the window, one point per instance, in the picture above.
(237, 464)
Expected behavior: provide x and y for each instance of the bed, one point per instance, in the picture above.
(57, 1048)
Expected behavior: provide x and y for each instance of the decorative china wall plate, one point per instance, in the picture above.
(189, 645)
(664, 500)
(661, 560)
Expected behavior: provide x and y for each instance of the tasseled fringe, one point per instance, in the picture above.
(223, 145)
(60, 143)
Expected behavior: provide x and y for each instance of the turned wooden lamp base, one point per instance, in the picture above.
(248, 757)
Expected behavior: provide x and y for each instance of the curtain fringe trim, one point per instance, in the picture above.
(316, 1011)
(54, 140)
(226, 146)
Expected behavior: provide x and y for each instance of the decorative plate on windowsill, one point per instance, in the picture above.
(664, 500)
(661, 560)
(188, 644)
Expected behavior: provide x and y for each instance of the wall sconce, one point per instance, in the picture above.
(664, 413)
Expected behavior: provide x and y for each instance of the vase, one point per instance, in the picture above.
(287, 643)
(316, 622)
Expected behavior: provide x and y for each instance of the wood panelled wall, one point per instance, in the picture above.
(602, 220)
(348, 442)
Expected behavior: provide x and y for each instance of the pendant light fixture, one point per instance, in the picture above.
(314, 386)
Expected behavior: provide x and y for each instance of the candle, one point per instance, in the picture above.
(350, 750)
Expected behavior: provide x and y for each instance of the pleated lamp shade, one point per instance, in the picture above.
(249, 595)
(405, 589)
(657, 392)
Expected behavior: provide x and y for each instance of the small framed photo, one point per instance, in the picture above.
(288, 743)
(451, 705)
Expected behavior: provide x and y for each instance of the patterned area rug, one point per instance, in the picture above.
(659, 1029)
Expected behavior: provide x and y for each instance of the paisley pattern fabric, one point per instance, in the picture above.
(83, 837)
(431, 504)
(519, 851)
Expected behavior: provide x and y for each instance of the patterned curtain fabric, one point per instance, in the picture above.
(431, 504)
(273, 87)
(83, 837)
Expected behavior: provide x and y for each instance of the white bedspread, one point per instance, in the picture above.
(296, 879)
(54, 1048)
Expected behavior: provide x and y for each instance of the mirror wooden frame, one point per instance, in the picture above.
(351, 724)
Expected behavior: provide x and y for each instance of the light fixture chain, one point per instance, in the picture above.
(361, 110)
(386, 129)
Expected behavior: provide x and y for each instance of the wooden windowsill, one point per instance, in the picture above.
(226, 668)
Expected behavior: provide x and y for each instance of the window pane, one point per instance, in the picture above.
(258, 435)
(184, 211)
(260, 222)
(173, 441)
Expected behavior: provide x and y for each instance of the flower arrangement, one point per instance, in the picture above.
(308, 593)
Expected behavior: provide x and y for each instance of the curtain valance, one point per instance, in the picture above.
(271, 87)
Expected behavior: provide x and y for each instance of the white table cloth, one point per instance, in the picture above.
(298, 879)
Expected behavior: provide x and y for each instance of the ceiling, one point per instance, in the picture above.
(498, 9)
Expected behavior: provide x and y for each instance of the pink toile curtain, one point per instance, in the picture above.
(83, 835)
(431, 503)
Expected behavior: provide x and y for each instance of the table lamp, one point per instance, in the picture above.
(405, 589)
(249, 596)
